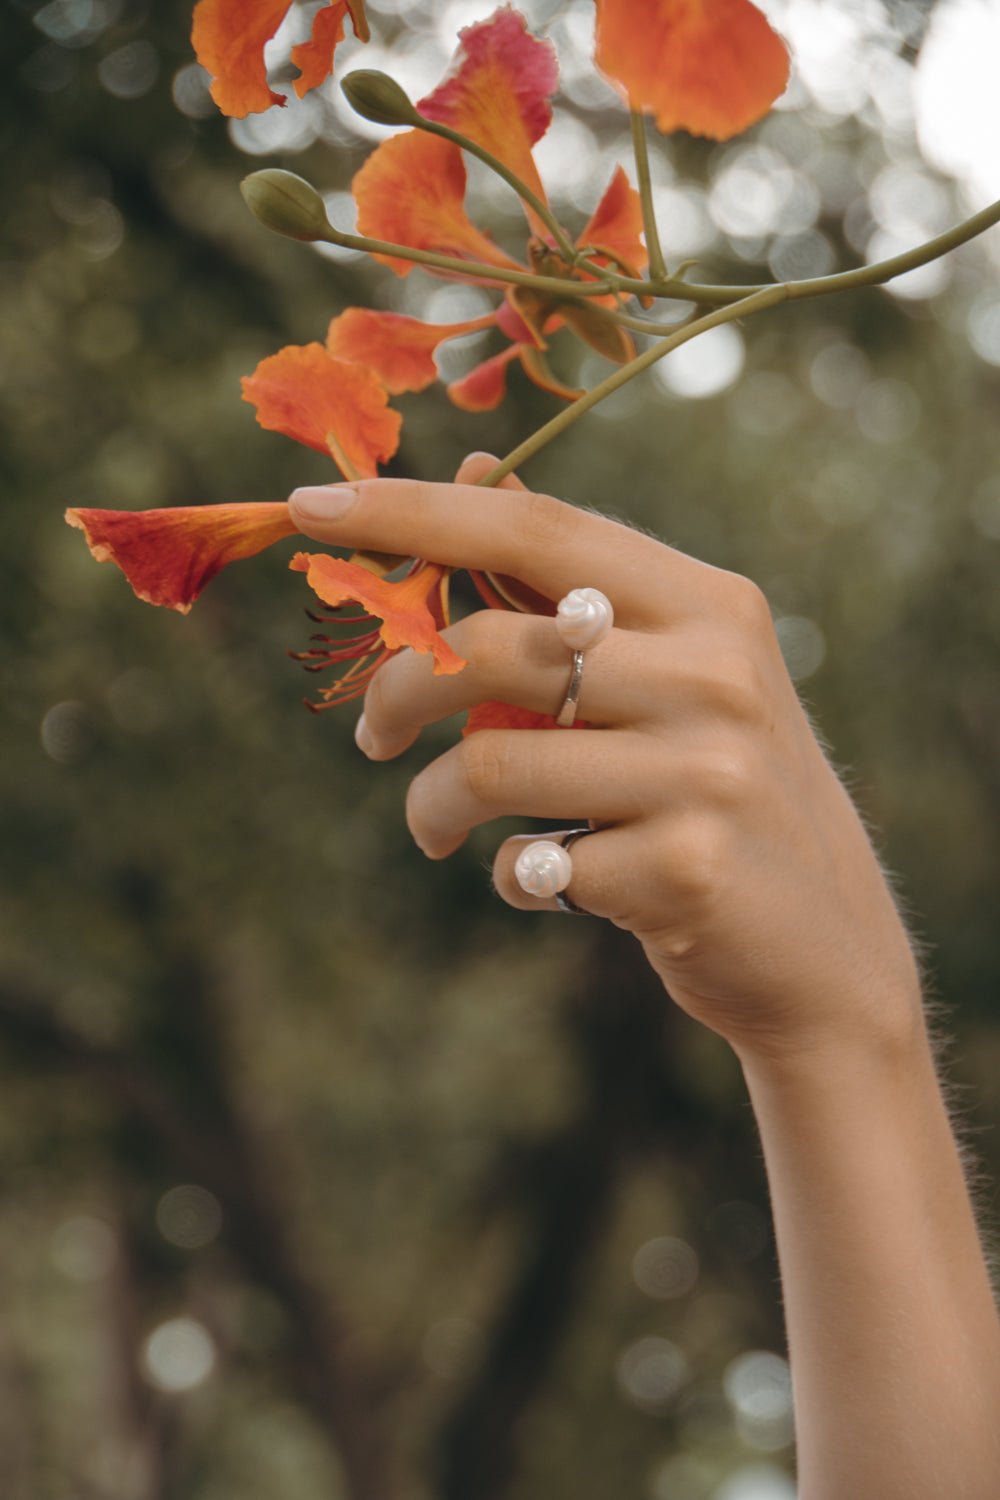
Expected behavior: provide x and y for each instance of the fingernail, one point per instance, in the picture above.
(362, 736)
(323, 502)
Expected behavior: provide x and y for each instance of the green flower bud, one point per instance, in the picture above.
(286, 203)
(375, 96)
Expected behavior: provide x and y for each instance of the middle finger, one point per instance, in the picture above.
(591, 774)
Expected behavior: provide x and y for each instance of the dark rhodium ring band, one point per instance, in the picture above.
(562, 900)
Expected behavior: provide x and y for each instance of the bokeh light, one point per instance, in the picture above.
(189, 1216)
(178, 1355)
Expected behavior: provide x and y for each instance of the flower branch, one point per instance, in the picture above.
(657, 264)
(764, 297)
(377, 97)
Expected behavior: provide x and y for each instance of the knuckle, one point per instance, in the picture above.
(736, 687)
(378, 698)
(723, 781)
(747, 604)
(546, 522)
(492, 641)
(694, 859)
(479, 636)
(485, 762)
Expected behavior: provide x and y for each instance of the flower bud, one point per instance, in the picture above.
(375, 96)
(286, 203)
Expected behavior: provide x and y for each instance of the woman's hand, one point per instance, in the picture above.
(725, 842)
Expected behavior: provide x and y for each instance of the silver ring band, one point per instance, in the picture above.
(562, 900)
(566, 716)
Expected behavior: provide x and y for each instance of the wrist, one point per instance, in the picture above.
(885, 1035)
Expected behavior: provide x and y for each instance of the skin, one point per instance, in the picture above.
(728, 847)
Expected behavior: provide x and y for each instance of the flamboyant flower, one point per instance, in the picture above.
(712, 67)
(229, 36)
(330, 404)
(411, 190)
(169, 555)
(413, 611)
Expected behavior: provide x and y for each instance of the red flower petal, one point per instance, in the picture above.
(326, 403)
(617, 222)
(411, 190)
(411, 610)
(398, 349)
(712, 67)
(484, 387)
(496, 715)
(169, 555)
(229, 37)
(498, 91)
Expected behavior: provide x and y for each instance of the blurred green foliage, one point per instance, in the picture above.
(326, 1174)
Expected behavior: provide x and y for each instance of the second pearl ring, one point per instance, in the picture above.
(583, 619)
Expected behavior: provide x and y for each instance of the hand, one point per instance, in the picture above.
(726, 844)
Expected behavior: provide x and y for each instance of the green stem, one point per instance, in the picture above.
(822, 286)
(764, 297)
(548, 218)
(657, 264)
(474, 270)
(684, 291)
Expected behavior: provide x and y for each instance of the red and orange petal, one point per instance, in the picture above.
(617, 222)
(497, 715)
(169, 555)
(411, 190)
(712, 67)
(524, 315)
(498, 92)
(397, 349)
(314, 58)
(329, 404)
(229, 37)
(484, 387)
(536, 367)
(411, 610)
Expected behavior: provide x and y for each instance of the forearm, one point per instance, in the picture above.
(893, 1332)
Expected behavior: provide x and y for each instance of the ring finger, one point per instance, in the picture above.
(607, 875)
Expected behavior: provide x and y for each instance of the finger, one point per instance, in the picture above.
(511, 658)
(476, 465)
(539, 773)
(551, 546)
(606, 879)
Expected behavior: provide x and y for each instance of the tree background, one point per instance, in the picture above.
(327, 1175)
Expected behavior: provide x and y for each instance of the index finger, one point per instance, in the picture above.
(549, 545)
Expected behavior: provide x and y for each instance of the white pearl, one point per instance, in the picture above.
(543, 868)
(583, 618)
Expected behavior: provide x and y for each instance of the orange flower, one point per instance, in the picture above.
(412, 610)
(169, 555)
(498, 92)
(229, 36)
(411, 190)
(712, 67)
(400, 350)
(329, 404)
(396, 348)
